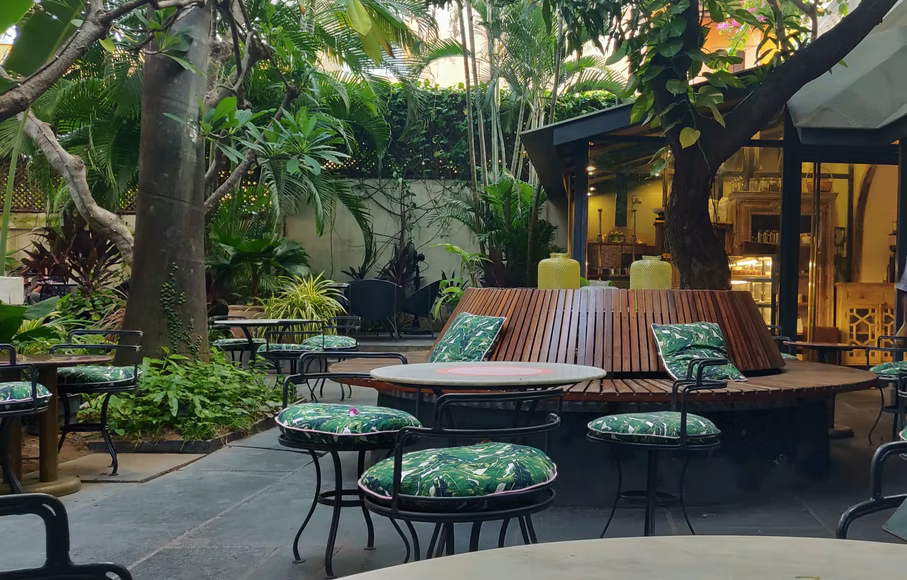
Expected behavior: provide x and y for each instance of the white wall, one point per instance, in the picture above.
(342, 247)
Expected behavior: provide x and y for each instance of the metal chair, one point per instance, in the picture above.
(377, 301)
(283, 344)
(236, 348)
(58, 565)
(320, 429)
(680, 441)
(419, 305)
(877, 501)
(525, 474)
(17, 399)
(779, 338)
(104, 380)
(891, 374)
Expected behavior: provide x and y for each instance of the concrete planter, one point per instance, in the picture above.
(181, 445)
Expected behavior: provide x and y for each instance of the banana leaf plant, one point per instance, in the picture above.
(21, 324)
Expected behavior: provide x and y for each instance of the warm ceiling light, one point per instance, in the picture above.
(590, 169)
(592, 188)
(589, 194)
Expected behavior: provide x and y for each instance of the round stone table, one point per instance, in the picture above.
(49, 480)
(439, 377)
(666, 558)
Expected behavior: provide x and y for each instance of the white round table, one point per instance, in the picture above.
(487, 374)
(484, 375)
(667, 558)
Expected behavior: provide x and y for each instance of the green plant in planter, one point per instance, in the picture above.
(22, 325)
(193, 398)
(452, 288)
(252, 267)
(308, 298)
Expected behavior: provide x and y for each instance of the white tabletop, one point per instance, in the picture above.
(261, 322)
(487, 374)
(666, 558)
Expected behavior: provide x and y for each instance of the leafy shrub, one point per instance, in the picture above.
(89, 310)
(196, 399)
(309, 298)
(73, 251)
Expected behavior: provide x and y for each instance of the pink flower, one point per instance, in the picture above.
(353, 411)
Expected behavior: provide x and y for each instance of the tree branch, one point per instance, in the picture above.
(72, 169)
(784, 81)
(95, 26)
(240, 170)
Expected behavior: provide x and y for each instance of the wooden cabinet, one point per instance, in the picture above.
(753, 212)
(865, 312)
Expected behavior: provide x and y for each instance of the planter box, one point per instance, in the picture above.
(181, 445)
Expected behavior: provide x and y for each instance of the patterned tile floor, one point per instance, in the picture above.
(232, 515)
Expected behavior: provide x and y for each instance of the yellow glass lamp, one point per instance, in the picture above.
(558, 271)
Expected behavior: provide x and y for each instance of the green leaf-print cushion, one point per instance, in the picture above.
(331, 341)
(904, 434)
(236, 343)
(330, 423)
(17, 395)
(655, 427)
(482, 470)
(470, 338)
(789, 356)
(678, 344)
(284, 348)
(95, 375)
(890, 370)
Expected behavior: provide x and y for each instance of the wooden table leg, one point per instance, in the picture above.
(49, 427)
(15, 445)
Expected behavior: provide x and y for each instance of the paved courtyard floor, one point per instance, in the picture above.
(233, 514)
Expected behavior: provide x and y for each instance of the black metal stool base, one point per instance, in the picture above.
(651, 497)
(336, 498)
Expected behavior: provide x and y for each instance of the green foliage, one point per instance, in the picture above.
(38, 36)
(179, 331)
(504, 210)
(451, 289)
(22, 325)
(82, 310)
(664, 43)
(304, 298)
(429, 137)
(253, 267)
(195, 399)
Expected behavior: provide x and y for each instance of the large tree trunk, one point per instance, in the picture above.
(695, 248)
(167, 290)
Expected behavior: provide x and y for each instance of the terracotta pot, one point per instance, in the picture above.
(243, 311)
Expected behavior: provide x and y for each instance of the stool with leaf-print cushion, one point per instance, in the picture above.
(286, 343)
(235, 348)
(893, 374)
(105, 380)
(18, 398)
(676, 432)
(499, 477)
(334, 428)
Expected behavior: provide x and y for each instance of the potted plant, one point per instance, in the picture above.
(304, 298)
(249, 269)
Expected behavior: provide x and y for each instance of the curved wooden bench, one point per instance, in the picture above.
(611, 329)
(799, 380)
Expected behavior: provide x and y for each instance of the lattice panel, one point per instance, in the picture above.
(26, 196)
(865, 324)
